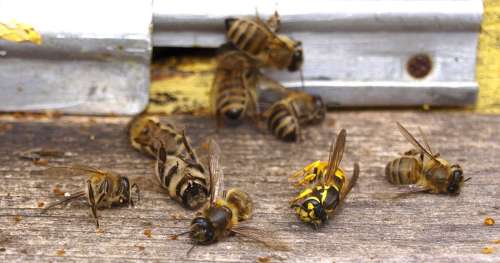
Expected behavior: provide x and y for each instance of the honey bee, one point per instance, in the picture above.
(103, 189)
(293, 109)
(234, 87)
(147, 135)
(260, 41)
(421, 170)
(326, 186)
(225, 210)
(178, 168)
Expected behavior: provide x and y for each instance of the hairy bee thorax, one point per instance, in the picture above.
(216, 220)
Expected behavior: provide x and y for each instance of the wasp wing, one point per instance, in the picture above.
(414, 142)
(352, 182)
(265, 237)
(336, 153)
(216, 177)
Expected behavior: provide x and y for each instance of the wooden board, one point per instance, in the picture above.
(415, 229)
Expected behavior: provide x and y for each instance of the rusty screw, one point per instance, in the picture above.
(419, 66)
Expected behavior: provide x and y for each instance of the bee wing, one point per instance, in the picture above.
(73, 168)
(216, 177)
(274, 22)
(414, 142)
(336, 153)
(403, 191)
(426, 142)
(265, 237)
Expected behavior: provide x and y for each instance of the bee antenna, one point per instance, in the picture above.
(467, 179)
(302, 79)
(181, 234)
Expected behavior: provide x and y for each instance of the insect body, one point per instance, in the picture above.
(298, 108)
(421, 170)
(222, 215)
(103, 189)
(234, 86)
(147, 135)
(178, 168)
(260, 41)
(326, 186)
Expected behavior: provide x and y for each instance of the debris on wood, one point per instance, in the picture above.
(99, 231)
(496, 241)
(5, 127)
(147, 232)
(40, 204)
(141, 248)
(2, 249)
(487, 250)
(18, 218)
(264, 259)
(489, 221)
(60, 252)
(57, 191)
(173, 237)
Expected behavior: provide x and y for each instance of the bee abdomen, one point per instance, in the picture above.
(283, 124)
(404, 170)
(247, 36)
(242, 202)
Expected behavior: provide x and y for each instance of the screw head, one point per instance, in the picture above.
(419, 65)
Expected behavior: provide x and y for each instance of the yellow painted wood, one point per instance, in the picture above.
(488, 64)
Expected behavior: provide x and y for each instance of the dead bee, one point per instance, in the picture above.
(291, 110)
(421, 170)
(184, 179)
(147, 135)
(103, 189)
(177, 168)
(259, 40)
(221, 217)
(234, 87)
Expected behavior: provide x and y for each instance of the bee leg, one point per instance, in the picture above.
(92, 202)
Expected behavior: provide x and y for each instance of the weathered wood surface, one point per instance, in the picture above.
(415, 229)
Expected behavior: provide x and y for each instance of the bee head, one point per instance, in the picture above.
(195, 195)
(202, 231)
(455, 180)
(297, 57)
(319, 109)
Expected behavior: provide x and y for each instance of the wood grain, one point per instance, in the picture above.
(370, 228)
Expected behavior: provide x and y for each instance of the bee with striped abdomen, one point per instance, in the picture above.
(103, 189)
(147, 134)
(260, 41)
(234, 87)
(177, 168)
(421, 170)
(184, 179)
(326, 186)
(296, 108)
(225, 210)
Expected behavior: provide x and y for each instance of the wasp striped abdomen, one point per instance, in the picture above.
(403, 170)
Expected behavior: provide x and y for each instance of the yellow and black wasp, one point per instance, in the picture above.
(103, 189)
(221, 217)
(326, 186)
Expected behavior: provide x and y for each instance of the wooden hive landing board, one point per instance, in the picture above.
(421, 228)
